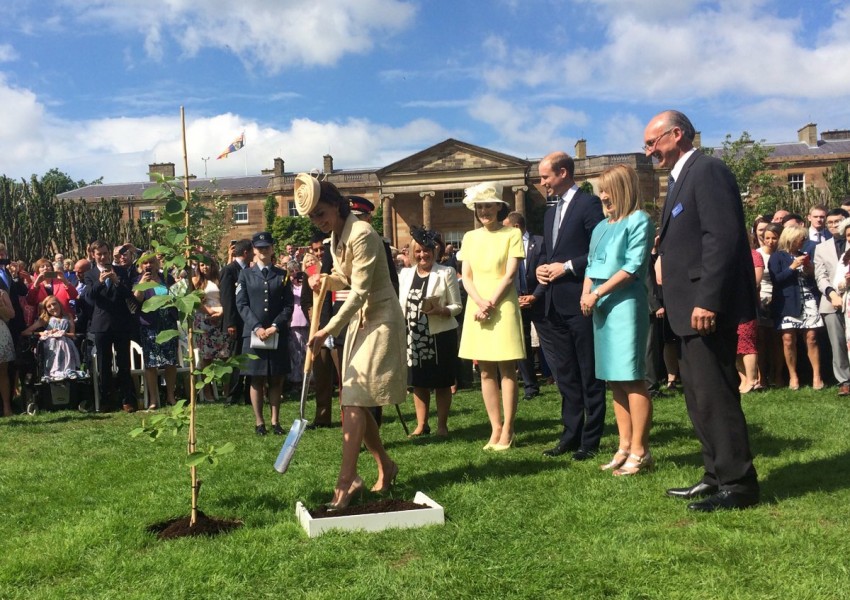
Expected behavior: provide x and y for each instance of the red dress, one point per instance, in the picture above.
(748, 332)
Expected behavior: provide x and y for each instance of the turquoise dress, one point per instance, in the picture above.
(621, 319)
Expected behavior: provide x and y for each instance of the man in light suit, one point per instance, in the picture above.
(531, 305)
(567, 336)
(709, 288)
(231, 322)
(827, 255)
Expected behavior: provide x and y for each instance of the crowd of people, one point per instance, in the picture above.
(614, 300)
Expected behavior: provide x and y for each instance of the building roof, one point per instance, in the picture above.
(824, 148)
(222, 185)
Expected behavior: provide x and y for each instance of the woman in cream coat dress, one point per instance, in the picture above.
(373, 369)
(430, 298)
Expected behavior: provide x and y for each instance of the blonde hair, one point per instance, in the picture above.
(621, 184)
(791, 235)
(42, 309)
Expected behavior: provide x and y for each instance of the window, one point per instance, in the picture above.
(147, 215)
(797, 182)
(453, 237)
(293, 212)
(240, 213)
(453, 198)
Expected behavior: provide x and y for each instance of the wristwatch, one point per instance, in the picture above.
(596, 293)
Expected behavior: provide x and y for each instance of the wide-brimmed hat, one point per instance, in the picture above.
(307, 192)
(489, 191)
(262, 239)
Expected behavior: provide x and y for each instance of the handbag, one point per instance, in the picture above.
(270, 343)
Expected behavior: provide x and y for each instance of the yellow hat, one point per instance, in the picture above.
(307, 192)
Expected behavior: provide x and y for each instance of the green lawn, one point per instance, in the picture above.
(76, 494)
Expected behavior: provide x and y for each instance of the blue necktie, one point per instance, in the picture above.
(670, 184)
(557, 224)
(523, 278)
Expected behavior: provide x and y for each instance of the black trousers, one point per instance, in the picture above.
(526, 367)
(567, 342)
(710, 382)
(117, 344)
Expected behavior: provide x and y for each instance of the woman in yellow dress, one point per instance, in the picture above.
(492, 326)
(374, 356)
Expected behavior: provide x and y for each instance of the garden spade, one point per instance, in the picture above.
(300, 424)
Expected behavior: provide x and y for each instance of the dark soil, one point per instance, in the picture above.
(368, 508)
(204, 525)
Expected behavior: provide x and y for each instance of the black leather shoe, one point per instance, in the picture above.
(260, 429)
(278, 430)
(695, 491)
(312, 426)
(725, 500)
(583, 454)
(556, 451)
(531, 394)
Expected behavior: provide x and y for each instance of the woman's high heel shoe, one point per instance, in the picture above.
(636, 464)
(619, 459)
(502, 447)
(389, 482)
(355, 489)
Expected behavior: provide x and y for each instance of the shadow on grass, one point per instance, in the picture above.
(527, 431)
(800, 478)
(66, 418)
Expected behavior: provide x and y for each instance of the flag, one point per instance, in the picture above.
(236, 145)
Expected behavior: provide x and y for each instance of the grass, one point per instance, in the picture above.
(76, 494)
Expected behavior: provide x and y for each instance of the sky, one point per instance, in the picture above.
(94, 87)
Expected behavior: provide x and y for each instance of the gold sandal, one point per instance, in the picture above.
(620, 457)
(636, 464)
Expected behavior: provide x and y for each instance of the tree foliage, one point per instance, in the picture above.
(270, 211)
(747, 159)
(838, 182)
(292, 230)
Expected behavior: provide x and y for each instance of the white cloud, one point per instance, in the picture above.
(654, 51)
(122, 148)
(7, 53)
(273, 35)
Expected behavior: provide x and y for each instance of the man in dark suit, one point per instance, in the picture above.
(709, 288)
(567, 336)
(231, 322)
(109, 291)
(531, 306)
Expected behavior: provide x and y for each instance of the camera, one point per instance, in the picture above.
(5, 261)
(50, 275)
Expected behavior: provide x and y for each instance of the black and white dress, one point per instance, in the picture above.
(430, 358)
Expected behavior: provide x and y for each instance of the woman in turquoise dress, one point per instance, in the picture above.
(492, 326)
(616, 295)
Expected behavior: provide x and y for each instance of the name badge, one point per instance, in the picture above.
(677, 209)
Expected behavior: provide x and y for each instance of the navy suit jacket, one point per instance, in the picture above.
(786, 300)
(531, 285)
(706, 259)
(227, 286)
(582, 215)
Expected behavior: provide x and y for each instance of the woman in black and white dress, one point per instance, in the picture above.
(430, 297)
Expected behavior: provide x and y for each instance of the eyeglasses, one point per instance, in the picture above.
(651, 143)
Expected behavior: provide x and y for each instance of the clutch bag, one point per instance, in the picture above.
(270, 343)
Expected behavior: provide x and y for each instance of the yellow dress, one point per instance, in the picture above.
(500, 337)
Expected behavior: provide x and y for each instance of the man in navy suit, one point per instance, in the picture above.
(531, 306)
(231, 322)
(567, 336)
(709, 288)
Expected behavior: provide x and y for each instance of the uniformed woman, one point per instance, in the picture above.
(374, 365)
(264, 300)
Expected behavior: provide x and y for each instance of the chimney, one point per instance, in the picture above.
(165, 169)
(697, 139)
(278, 167)
(329, 164)
(808, 134)
(581, 149)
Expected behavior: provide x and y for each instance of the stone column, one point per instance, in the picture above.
(387, 202)
(519, 198)
(427, 201)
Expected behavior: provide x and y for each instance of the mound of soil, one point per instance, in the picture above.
(204, 525)
(367, 508)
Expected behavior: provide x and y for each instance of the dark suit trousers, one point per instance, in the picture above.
(118, 342)
(710, 382)
(567, 342)
(324, 372)
(526, 367)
